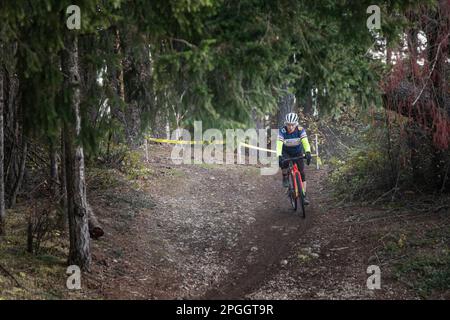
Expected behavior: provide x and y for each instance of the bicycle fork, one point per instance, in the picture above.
(296, 187)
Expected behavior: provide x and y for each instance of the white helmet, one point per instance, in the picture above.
(291, 118)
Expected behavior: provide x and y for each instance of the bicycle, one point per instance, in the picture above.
(295, 180)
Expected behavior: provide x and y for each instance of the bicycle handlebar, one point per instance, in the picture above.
(293, 159)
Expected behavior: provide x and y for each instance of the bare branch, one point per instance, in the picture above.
(431, 71)
(190, 45)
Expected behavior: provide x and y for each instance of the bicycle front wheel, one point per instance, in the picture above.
(301, 199)
(292, 193)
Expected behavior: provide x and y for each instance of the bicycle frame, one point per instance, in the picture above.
(293, 169)
(296, 184)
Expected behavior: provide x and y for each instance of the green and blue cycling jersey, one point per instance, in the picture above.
(294, 143)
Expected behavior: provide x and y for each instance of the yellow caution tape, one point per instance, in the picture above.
(184, 141)
(216, 142)
(255, 147)
(273, 151)
(268, 150)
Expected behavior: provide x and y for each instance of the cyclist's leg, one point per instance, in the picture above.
(301, 168)
(284, 171)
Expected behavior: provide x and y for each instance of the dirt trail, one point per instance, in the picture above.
(263, 247)
(227, 232)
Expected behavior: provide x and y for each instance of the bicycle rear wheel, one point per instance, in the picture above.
(292, 195)
(301, 199)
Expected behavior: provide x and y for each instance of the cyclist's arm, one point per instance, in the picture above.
(304, 140)
(280, 142)
(279, 147)
(305, 144)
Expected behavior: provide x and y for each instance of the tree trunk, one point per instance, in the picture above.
(63, 191)
(257, 119)
(19, 179)
(115, 81)
(285, 105)
(10, 132)
(10, 102)
(53, 169)
(415, 155)
(2, 180)
(160, 124)
(308, 104)
(79, 252)
(136, 86)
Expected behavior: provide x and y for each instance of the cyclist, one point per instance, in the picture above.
(293, 142)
